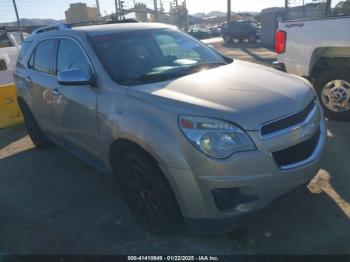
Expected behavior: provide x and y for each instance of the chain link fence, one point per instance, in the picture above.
(299, 9)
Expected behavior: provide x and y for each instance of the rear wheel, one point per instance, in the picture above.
(227, 39)
(33, 129)
(333, 88)
(148, 193)
(252, 39)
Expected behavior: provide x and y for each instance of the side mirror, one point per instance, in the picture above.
(73, 77)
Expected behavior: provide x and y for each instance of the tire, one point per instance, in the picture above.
(333, 89)
(252, 39)
(227, 39)
(147, 193)
(35, 133)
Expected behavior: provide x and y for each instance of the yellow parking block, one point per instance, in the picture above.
(10, 115)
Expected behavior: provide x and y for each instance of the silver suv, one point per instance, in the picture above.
(191, 135)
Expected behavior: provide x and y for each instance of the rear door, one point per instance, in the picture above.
(77, 109)
(42, 83)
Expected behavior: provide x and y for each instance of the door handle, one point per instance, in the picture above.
(56, 92)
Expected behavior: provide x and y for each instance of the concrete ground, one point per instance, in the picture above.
(53, 203)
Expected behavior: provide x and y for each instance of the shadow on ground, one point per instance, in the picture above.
(8, 136)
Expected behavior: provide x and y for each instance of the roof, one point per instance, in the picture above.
(95, 30)
(116, 28)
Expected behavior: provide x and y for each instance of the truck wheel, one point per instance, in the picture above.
(333, 88)
(227, 39)
(35, 133)
(148, 193)
(252, 39)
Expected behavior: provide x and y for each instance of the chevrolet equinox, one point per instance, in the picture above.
(192, 136)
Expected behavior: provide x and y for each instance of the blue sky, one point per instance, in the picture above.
(55, 8)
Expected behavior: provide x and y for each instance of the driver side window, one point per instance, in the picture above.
(71, 56)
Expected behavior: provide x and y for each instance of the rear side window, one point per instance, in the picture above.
(44, 57)
(71, 56)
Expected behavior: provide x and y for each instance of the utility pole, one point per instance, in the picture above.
(116, 9)
(18, 21)
(121, 8)
(286, 7)
(155, 10)
(186, 15)
(98, 11)
(228, 11)
(177, 13)
(328, 7)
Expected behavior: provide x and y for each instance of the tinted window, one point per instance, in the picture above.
(71, 56)
(44, 60)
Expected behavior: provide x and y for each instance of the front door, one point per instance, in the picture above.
(76, 109)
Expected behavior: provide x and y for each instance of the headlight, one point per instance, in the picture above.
(215, 138)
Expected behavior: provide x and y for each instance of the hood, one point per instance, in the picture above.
(244, 93)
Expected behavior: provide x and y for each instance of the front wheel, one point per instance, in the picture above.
(333, 88)
(148, 193)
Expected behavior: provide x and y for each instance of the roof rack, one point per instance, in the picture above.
(44, 29)
(63, 26)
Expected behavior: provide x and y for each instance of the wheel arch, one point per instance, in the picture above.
(121, 145)
(324, 58)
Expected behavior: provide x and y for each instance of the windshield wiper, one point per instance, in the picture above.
(190, 69)
(178, 72)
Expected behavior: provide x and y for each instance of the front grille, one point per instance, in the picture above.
(288, 121)
(297, 153)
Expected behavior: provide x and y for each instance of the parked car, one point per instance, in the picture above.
(215, 30)
(240, 30)
(319, 50)
(190, 134)
(10, 42)
(200, 33)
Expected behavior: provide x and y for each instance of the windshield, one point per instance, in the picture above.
(145, 56)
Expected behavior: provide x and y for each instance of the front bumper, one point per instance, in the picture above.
(256, 176)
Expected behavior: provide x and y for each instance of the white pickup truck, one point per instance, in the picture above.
(319, 50)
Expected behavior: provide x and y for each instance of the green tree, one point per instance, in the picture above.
(343, 7)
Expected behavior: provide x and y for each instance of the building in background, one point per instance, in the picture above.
(80, 12)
